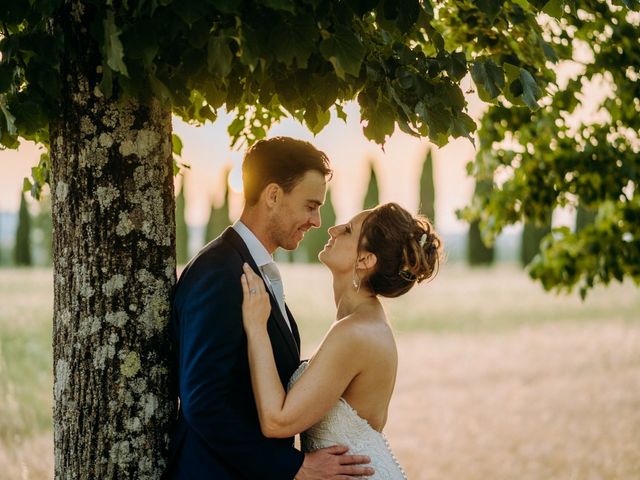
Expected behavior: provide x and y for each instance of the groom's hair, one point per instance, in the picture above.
(280, 160)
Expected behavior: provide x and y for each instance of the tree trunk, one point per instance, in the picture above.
(532, 235)
(114, 267)
(478, 253)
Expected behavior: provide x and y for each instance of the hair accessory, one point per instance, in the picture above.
(408, 276)
(423, 240)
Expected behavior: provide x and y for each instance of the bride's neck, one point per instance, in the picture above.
(349, 298)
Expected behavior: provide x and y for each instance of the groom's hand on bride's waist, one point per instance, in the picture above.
(333, 463)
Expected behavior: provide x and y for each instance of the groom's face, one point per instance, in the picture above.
(298, 211)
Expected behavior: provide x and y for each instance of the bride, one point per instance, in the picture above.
(341, 394)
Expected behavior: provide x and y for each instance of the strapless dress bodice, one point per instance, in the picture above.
(342, 425)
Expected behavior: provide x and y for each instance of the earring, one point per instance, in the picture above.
(355, 280)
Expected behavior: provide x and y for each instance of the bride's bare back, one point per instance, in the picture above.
(369, 393)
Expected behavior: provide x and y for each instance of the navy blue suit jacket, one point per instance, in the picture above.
(217, 433)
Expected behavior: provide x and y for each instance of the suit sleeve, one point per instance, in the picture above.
(212, 343)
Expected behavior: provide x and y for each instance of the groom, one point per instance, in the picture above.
(217, 435)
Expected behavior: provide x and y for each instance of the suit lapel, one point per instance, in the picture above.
(294, 328)
(291, 339)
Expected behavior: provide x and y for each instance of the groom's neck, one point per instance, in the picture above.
(255, 221)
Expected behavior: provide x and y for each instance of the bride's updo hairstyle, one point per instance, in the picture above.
(407, 249)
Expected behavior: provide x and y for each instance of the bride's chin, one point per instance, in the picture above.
(322, 256)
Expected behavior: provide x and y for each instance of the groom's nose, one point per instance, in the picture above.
(315, 218)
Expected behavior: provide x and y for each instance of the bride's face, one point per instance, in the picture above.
(341, 251)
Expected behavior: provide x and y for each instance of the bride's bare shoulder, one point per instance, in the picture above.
(363, 330)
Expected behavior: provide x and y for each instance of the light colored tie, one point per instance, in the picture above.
(274, 282)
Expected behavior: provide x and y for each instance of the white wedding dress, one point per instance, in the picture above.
(343, 426)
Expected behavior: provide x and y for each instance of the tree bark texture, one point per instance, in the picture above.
(114, 267)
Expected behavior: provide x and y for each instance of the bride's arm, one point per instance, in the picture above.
(336, 363)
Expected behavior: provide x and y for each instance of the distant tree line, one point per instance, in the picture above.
(33, 236)
(32, 241)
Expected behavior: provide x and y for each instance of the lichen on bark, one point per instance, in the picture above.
(114, 245)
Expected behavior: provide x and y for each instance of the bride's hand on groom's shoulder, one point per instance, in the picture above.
(256, 305)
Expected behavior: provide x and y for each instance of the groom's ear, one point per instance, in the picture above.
(367, 260)
(272, 193)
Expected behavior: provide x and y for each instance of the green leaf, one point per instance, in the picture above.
(530, 90)
(316, 118)
(398, 15)
(176, 144)
(160, 90)
(554, 8)
(190, 11)
(451, 95)
(549, 51)
(439, 122)
(6, 76)
(26, 185)
(377, 114)
(435, 37)
(219, 56)
(226, 6)
(285, 5)
(632, 4)
(344, 50)
(250, 46)
(490, 7)
(511, 71)
(463, 126)
(457, 66)
(113, 46)
(295, 40)
(406, 78)
(141, 42)
(489, 78)
(360, 7)
(380, 124)
(235, 127)
(9, 118)
(426, 9)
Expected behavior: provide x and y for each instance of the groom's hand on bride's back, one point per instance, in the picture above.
(333, 463)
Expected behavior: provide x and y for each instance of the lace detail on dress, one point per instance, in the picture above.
(343, 426)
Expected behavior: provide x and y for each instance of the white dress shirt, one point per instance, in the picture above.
(262, 257)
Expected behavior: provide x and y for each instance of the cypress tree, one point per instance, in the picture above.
(182, 231)
(22, 248)
(427, 189)
(477, 252)
(315, 239)
(532, 235)
(219, 217)
(43, 223)
(283, 256)
(372, 198)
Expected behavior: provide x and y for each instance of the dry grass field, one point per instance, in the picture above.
(498, 380)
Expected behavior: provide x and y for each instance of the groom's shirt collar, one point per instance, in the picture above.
(262, 257)
(260, 254)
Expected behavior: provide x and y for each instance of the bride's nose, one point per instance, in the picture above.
(333, 231)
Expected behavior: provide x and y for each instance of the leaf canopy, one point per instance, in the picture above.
(558, 156)
(265, 59)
